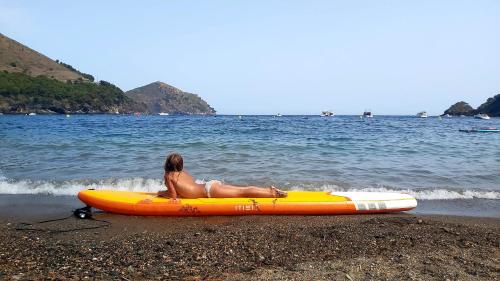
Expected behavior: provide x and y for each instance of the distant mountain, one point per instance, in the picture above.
(460, 108)
(490, 107)
(161, 97)
(16, 57)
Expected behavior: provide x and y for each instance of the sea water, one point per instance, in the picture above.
(446, 170)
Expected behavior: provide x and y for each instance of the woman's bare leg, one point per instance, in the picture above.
(232, 191)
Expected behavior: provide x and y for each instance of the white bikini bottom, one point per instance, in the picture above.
(208, 186)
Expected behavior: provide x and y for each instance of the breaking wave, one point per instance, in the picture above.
(72, 187)
(435, 194)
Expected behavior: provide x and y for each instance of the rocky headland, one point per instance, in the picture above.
(161, 97)
(490, 107)
(460, 108)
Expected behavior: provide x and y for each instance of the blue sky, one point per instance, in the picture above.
(265, 57)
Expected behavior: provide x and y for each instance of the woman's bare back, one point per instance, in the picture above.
(183, 185)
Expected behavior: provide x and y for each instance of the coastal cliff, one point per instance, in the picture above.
(161, 97)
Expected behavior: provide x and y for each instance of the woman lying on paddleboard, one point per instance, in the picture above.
(181, 184)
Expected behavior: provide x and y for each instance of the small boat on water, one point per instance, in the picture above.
(481, 130)
(368, 114)
(278, 115)
(422, 114)
(32, 114)
(447, 115)
(163, 113)
(482, 116)
(327, 113)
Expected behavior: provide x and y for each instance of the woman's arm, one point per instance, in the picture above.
(172, 193)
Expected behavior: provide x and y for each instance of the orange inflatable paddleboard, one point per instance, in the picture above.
(297, 203)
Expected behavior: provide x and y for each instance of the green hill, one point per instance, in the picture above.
(16, 57)
(32, 82)
(21, 93)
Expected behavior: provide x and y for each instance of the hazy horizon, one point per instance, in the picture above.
(288, 57)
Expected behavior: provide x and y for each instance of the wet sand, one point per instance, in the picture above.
(363, 247)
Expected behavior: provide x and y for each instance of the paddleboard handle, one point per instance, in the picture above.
(83, 213)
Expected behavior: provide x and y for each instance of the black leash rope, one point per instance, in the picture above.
(81, 213)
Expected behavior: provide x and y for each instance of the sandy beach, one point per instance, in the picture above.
(363, 247)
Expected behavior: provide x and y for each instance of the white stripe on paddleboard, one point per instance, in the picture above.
(379, 200)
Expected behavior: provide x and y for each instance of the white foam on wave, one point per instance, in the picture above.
(424, 194)
(72, 187)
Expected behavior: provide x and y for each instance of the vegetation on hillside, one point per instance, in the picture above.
(16, 57)
(85, 75)
(20, 93)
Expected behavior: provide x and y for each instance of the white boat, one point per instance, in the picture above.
(32, 114)
(482, 116)
(422, 114)
(447, 115)
(368, 114)
(278, 115)
(163, 113)
(327, 114)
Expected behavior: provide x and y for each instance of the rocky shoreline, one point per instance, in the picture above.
(372, 247)
(79, 112)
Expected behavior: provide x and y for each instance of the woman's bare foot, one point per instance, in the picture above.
(277, 193)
